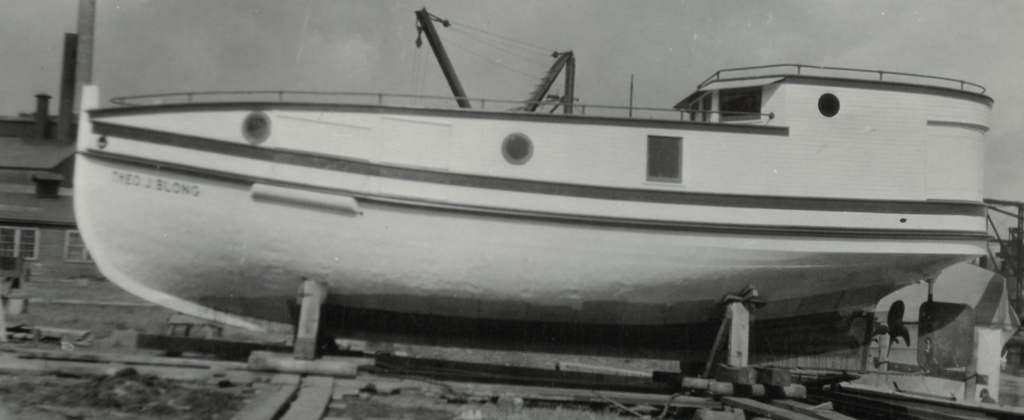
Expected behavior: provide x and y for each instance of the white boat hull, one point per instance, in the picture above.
(225, 246)
(220, 229)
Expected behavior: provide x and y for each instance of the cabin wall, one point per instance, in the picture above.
(884, 144)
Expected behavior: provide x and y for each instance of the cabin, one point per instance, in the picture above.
(921, 136)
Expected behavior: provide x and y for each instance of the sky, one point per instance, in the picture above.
(148, 46)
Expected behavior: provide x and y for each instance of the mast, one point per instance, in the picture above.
(426, 26)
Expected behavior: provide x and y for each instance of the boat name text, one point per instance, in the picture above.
(155, 183)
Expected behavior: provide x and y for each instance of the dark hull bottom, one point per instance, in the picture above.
(803, 335)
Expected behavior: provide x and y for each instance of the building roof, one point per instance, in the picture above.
(20, 205)
(18, 153)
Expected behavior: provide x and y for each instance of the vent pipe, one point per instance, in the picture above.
(42, 115)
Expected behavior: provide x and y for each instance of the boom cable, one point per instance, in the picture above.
(521, 43)
(494, 61)
(531, 56)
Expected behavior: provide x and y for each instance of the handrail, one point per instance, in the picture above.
(378, 97)
(963, 84)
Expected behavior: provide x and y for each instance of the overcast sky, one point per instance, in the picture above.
(145, 46)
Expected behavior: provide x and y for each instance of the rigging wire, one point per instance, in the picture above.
(532, 77)
(521, 43)
(533, 56)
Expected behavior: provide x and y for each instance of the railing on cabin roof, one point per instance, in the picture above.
(806, 70)
(406, 100)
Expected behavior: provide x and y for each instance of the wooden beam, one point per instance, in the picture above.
(753, 406)
(311, 296)
(340, 366)
(739, 334)
(269, 407)
(821, 413)
(314, 395)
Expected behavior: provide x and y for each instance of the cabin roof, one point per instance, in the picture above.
(763, 75)
(19, 153)
(19, 204)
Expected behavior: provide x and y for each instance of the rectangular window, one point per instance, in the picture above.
(19, 242)
(74, 247)
(664, 159)
(740, 104)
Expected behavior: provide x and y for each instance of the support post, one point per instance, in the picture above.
(311, 298)
(739, 334)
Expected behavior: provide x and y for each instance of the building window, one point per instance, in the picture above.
(664, 159)
(19, 242)
(740, 104)
(74, 247)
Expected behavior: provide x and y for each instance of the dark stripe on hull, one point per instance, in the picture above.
(332, 163)
(455, 113)
(735, 229)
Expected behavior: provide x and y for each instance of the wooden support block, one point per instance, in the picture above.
(271, 362)
(757, 390)
(311, 403)
(743, 375)
(774, 376)
(739, 334)
(311, 296)
(760, 408)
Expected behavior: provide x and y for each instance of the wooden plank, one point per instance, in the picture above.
(129, 359)
(540, 393)
(763, 409)
(312, 294)
(825, 413)
(269, 407)
(311, 403)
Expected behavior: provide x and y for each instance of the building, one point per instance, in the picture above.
(37, 220)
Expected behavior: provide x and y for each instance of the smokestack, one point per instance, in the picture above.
(86, 28)
(42, 115)
(67, 89)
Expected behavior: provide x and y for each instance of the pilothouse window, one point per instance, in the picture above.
(664, 159)
(740, 103)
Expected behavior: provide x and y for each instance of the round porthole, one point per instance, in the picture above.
(256, 127)
(828, 105)
(517, 148)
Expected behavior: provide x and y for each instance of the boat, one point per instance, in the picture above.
(822, 188)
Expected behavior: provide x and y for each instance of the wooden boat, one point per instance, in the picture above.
(823, 192)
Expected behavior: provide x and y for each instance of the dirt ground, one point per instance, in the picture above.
(124, 395)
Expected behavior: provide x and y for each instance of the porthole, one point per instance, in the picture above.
(102, 142)
(517, 148)
(256, 127)
(828, 105)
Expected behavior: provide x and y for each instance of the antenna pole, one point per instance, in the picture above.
(426, 25)
(631, 95)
